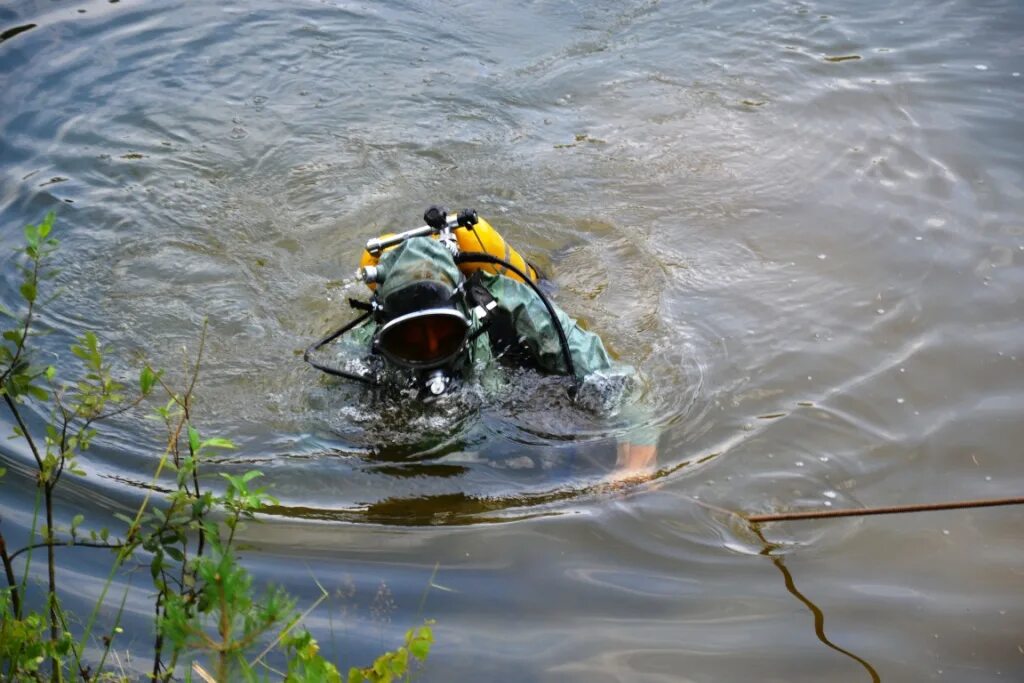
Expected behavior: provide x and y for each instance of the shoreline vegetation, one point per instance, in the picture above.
(209, 622)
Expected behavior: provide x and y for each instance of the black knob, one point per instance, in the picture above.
(468, 218)
(436, 217)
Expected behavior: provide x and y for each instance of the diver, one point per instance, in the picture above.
(452, 298)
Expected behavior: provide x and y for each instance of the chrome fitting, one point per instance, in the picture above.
(371, 274)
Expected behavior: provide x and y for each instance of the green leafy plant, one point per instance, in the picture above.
(396, 665)
(205, 602)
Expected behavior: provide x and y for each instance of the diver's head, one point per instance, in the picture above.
(421, 323)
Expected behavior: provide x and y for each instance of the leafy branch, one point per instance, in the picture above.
(204, 598)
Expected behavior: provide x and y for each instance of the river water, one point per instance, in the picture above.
(801, 221)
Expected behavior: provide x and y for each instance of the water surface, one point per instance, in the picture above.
(801, 221)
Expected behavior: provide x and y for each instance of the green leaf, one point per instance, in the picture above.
(32, 235)
(175, 553)
(218, 442)
(399, 661)
(38, 392)
(28, 291)
(88, 349)
(193, 439)
(50, 372)
(236, 482)
(3, 471)
(63, 645)
(380, 666)
(147, 378)
(47, 225)
(157, 564)
(419, 648)
(124, 518)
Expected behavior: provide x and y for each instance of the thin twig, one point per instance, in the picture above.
(426, 589)
(26, 327)
(202, 673)
(12, 580)
(199, 358)
(118, 411)
(122, 556)
(24, 431)
(890, 510)
(109, 640)
(72, 544)
(323, 596)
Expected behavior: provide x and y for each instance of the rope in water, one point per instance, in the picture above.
(892, 510)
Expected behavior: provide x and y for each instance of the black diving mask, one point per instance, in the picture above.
(423, 340)
(422, 328)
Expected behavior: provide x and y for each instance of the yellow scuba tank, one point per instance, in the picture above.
(479, 238)
(482, 237)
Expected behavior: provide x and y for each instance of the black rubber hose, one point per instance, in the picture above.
(327, 340)
(480, 257)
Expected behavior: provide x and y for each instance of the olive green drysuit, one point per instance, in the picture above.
(604, 384)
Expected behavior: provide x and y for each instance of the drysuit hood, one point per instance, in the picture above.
(419, 273)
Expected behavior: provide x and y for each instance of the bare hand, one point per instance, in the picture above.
(635, 461)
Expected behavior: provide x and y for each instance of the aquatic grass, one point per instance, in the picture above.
(205, 604)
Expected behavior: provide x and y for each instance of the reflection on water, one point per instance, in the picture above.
(800, 222)
(819, 616)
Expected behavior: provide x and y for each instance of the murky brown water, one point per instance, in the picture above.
(800, 220)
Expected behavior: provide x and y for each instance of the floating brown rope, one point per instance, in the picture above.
(893, 510)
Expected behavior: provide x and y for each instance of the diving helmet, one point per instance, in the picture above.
(421, 325)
